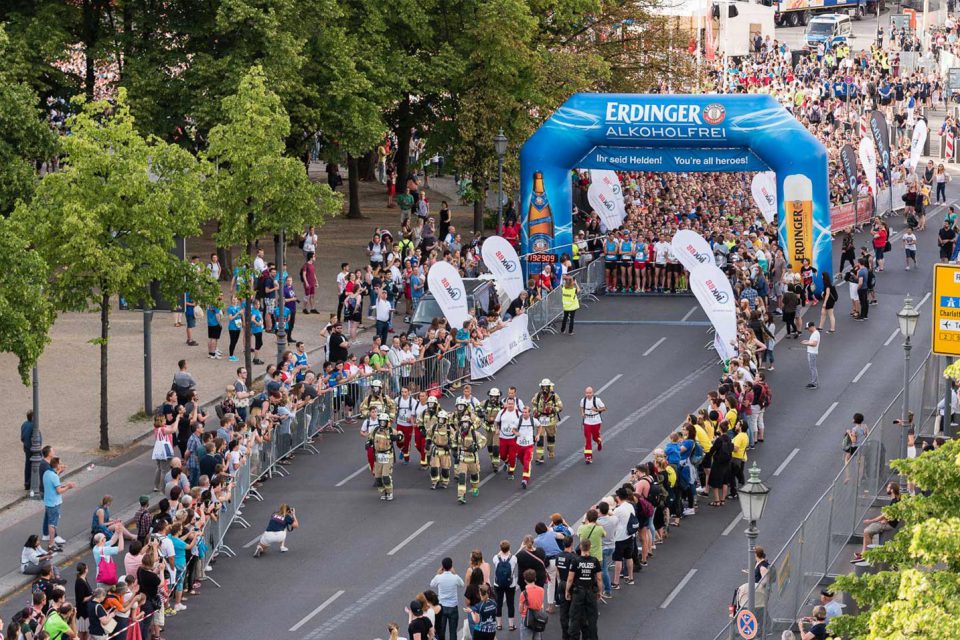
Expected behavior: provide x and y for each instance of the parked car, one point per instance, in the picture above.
(482, 295)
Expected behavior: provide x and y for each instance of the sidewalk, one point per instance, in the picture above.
(69, 392)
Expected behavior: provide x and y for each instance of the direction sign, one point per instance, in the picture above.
(946, 309)
(747, 624)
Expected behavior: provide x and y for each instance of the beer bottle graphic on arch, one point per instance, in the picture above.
(540, 218)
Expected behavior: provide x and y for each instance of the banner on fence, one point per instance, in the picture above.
(446, 285)
(501, 347)
(504, 263)
(846, 216)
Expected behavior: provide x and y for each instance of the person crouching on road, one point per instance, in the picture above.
(285, 519)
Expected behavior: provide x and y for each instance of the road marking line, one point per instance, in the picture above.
(732, 525)
(678, 588)
(925, 298)
(609, 384)
(326, 603)
(251, 543)
(862, 371)
(826, 414)
(489, 477)
(783, 465)
(416, 567)
(688, 314)
(892, 336)
(352, 475)
(563, 419)
(426, 525)
(655, 345)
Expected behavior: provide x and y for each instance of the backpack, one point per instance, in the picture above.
(646, 507)
(655, 494)
(696, 456)
(633, 524)
(503, 574)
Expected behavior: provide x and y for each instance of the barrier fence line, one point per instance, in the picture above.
(438, 375)
(804, 563)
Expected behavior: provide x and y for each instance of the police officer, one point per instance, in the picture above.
(563, 563)
(406, 419)
(429, 411)
(470, 440)
(547, 407)
(584, 586)
(377, 398)
(571, 301)
(380, 440)
(489, 411)
(440, 440)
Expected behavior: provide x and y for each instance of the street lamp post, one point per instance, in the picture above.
(36, 441)
(907, 318)
(500, 146)
(753, 498)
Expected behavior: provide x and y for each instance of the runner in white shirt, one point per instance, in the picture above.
(472, 401)
(507, 422)
(660, 252)
(528, 430)
(407, 407)
(512, 395)
(590, 409)
(910, 247)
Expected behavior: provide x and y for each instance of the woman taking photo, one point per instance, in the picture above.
(285, 519)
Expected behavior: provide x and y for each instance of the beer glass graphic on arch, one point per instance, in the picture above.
(539, 218)
(798, 196)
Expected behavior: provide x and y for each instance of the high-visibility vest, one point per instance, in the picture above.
(570, 300)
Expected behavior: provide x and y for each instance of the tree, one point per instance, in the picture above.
(106, 223)
(919, 596)
(253, 189)
(25, 139)
(26, 312)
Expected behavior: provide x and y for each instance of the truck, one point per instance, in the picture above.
(792, 13)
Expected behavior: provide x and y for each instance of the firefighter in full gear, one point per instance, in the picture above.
(377, 398)
(440, 441)
(470, 440)
(491, 407)
(381, 440)
(464, 409)
(547, 407)
(428, 420)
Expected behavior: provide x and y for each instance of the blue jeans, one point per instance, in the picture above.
(449, 617)
(605, 572)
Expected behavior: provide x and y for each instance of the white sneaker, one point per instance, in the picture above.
(179, 607)
(44, 538)
(283, 549)
(689, 512)
(59, 540)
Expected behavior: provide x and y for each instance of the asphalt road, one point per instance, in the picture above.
(355, 561)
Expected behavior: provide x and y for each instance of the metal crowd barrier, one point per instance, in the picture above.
(803, 565)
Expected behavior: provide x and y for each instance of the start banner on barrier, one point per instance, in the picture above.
(500, 348)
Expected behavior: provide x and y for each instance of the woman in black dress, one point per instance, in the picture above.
(829, 300)
(720, 468)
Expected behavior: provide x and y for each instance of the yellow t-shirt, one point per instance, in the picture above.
(703, 439)
(671, 476)
(731, 418)
(740, 442)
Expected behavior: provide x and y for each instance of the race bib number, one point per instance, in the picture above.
(383, 458)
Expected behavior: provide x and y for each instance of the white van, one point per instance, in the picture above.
(828, 29)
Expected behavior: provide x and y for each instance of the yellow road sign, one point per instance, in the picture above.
(946, 309)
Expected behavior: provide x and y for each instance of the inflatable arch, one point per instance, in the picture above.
(674, 133)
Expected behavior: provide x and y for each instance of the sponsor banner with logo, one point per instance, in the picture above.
(504, 263)
(917, 142)
(500, 348)
(764, 190)
(674, 160)
(868, 158)
(691, 250)
(714, 293)
(610, 180)
(881, 137)
(446, 285)
(848, 158)
(603, 202)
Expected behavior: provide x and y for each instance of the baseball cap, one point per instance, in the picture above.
(416, 608)
(384, 348)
